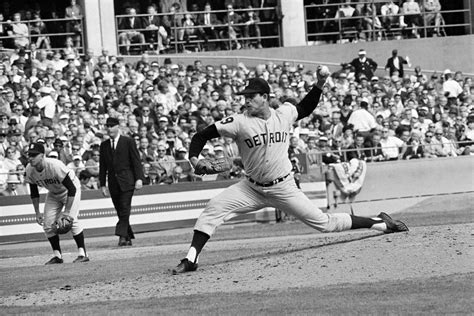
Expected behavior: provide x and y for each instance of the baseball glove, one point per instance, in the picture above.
(63, 224)
(212, 166)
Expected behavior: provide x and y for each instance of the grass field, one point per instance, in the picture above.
(284, 268)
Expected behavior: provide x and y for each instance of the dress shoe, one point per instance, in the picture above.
(128, 242)
(122, 241)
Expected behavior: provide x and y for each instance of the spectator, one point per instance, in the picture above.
(432, 13)
(411, 17)
(363, 66)
(207, 22)
(414, 150)
(251, 27)
(84, 178)
(395, 64)
(76, 164)
(393, 148)
(451, 88)
(19, 31)
(233, 31)
(130, 34)
(441, 145)
(12, 183)
(156, 35)
(362, 120)
(38, 29)
(389, 12)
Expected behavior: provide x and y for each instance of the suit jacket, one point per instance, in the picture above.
(213, 19)
(366, 67)
(391, 66)
(122, 166)
(138, 23)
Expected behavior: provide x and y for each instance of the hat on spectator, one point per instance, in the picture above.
(16, 132)
(342, 75)
(76, 157)
(63, 138)
(374, 78)
(323, 138)
(58, 142)
(174, 66)
(163, 119)
(182, 150)
(256, 85)
(64, 116)
(3, 131)
(362, 51)
(447, 72)
(35, 148)
(155, 64)
(97, 96)
(88, 84)
(423, 108)
(112, 121)
(13, 178)
(70, 56)
(53, 154)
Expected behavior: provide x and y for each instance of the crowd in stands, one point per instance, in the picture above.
(369, 20)
(195, 27)
(29, 29)
(64, 101)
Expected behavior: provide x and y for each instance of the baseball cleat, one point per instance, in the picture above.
(81, 259)
(54, 260)
(185, 266)
(393, 226)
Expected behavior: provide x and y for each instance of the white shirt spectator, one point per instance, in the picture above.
(452, 87)
(391, 146)
(362, 120)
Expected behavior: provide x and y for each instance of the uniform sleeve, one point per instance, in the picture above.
(229, 126)
(62, 171)
(290, 111)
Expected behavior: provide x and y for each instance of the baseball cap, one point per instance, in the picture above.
(362, 52)
(256, 85)
(35, 148)
(112, 121)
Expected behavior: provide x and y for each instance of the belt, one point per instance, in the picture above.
(268, 184)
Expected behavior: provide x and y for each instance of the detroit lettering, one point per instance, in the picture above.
(263, 139)
(45, 182)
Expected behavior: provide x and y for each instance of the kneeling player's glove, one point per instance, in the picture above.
(212, 166)
(63, 224)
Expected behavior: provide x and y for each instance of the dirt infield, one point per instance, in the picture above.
(260, 269)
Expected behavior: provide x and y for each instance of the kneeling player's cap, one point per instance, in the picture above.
(36, 148)
(256, 85)
(111, 121)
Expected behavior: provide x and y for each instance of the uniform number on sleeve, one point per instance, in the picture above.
(227, 120)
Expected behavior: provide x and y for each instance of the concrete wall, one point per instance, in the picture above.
(393, 186)
(456, 53)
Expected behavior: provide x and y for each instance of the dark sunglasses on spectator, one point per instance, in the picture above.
(429, 136)
(438, 134)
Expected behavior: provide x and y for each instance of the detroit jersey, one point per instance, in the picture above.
(52, 176)
(263, 144)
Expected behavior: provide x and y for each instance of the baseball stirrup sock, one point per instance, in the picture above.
(79, 238)
(364, 222)
(54, 241)
(198, 242)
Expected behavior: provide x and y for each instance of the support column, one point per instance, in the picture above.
(293, 24)
(100, 25)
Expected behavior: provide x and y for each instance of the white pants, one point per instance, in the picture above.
(52, 209)
(244, 197)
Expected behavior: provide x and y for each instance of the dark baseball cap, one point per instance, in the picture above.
(256, 85)
(112, 121)
(35, 148)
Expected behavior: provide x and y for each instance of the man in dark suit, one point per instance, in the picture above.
(120, 163)
(363, 66)
(131, 27)
(207, 22)
(156, 34)
(395, 63)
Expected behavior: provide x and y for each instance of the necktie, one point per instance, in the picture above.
(14, 193)
(113, 145)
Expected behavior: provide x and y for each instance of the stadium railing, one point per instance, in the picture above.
(268, 38)
(77, 30)
(320, 27)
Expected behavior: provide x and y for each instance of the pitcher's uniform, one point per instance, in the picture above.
(263, 145)
(51, 178)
